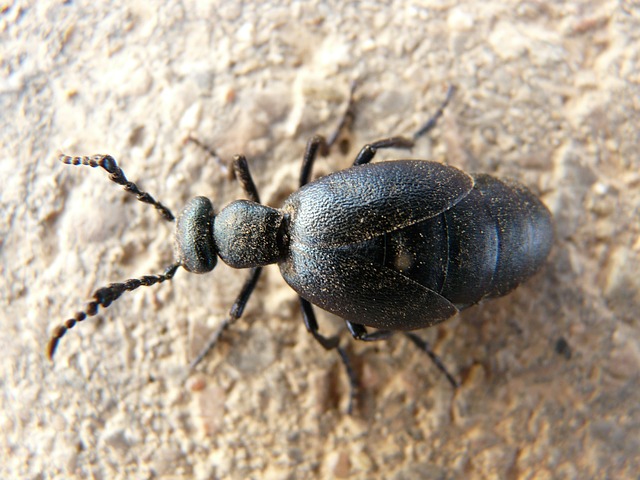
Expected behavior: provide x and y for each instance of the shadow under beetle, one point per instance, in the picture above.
(396, 245)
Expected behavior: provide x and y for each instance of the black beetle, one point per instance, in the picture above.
(396, 245)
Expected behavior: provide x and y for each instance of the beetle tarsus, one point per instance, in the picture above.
(346, 121)
(235, 312)
(432, 122)
(424, 346)
(354, 386)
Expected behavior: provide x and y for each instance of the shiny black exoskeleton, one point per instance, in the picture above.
(397, 245)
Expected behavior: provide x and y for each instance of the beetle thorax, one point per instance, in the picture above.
(248, 234)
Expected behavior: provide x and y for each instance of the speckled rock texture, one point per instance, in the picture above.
(548, 94)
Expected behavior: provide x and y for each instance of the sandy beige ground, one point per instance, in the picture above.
(549, 94)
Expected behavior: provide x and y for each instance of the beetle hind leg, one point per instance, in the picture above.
(369, 151)
(359, 332)
(424, 346)
(431, 123)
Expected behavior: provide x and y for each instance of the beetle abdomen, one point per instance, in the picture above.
(524, 228)
(483, 246)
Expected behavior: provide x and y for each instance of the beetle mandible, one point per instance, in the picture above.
(395, 245)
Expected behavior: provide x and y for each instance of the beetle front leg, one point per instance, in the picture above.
(347, 117)
(243, 175)
(235, 312)
(330, 343)
(241, 169)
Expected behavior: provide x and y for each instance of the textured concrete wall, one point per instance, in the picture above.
(548, 93)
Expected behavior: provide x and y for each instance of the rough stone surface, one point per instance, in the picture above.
(548, 93)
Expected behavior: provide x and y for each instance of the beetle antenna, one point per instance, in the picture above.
(117, 175)
(103, 298)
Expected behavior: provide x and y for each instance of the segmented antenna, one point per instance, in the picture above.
(117, 175)
(103, 298)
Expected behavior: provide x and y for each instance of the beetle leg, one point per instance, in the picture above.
(319, 144)
(359, 332)
(235, 313)
(316, 144)
(424, 346)
(241, 169)
(212, 153)
(431, 123)
(351, 375)
(243, 174)
(330, 343)
(369, 151)
(347, 117)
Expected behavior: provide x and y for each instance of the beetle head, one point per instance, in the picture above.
(194, 247)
